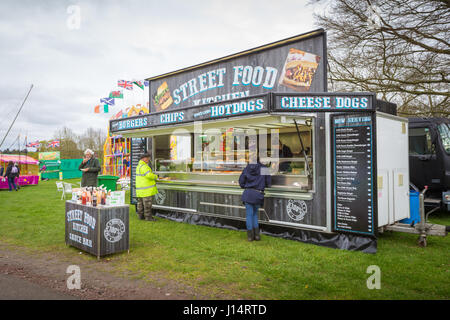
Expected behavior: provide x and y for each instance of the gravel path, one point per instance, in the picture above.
(43, 276)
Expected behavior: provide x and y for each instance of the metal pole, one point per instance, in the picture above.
(16, 116)
(304, 152)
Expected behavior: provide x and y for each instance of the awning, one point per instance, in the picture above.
(21, 159)
(262, 121)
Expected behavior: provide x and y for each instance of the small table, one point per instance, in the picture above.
(100, 230)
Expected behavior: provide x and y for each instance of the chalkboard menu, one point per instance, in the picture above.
(138, 148)
(353, 173)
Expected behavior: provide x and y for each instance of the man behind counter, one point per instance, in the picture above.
(90, 166)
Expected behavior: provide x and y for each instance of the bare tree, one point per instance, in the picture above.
(93, 139)
(397, 48)
(69, 143)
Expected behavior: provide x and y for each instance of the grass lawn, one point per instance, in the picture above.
(221, 263)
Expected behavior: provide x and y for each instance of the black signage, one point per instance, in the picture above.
(323, 102)
(138, 148)
(354, 198)
(100, 230)
(297, 64)
(226, 109)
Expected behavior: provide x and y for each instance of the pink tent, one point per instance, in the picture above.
(19, 159)
(26, 178)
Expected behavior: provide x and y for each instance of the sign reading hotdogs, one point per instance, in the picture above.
(230, 108)
(292, 65)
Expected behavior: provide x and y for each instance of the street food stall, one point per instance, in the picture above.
(337, 162)
(28, 166)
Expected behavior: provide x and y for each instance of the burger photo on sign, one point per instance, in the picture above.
(299, 69)
(162, 98)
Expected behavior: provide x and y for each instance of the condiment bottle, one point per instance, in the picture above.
(94, 199)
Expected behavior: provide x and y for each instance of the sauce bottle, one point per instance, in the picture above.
(94, 199)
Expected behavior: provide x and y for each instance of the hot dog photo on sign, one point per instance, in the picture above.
(299, 69)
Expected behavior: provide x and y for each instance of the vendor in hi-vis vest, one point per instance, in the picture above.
(145, 188)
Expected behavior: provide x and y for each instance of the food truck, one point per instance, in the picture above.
(338, 161)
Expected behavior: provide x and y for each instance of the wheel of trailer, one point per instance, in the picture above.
(422, 241)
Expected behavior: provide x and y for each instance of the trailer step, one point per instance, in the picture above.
(432, 201)
(429, 229)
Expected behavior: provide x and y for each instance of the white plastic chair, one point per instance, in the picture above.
(60, 188)
(124, 184)
(67, 189)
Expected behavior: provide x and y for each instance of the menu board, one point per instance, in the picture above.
(138, 148)
(353, 171)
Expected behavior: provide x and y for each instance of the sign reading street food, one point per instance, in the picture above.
(293, 65)
(98, 230)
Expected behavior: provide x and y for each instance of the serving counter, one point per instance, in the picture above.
(100, 230)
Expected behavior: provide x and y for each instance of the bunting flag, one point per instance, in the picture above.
(116, 94)
(53, 144)
(105, 109)
(146, 83)
(139, 84)
(109, 101)
(125, 84)
(35, 144)
(119, 114)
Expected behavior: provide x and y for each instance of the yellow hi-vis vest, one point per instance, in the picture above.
(145, 181)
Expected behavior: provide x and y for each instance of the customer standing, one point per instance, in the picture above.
(254, 179)
(90, 167)
(145, 188)
(11, 173)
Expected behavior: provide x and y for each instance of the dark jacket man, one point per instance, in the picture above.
(90, 167)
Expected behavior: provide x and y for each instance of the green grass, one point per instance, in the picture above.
(220, 263)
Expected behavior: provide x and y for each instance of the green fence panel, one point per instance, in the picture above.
(71, 174)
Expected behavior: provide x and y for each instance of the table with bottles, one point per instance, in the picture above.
(95, 225)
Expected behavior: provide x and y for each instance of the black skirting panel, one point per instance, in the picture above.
(308, 212)
(330, 240)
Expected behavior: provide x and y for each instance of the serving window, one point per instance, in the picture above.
(218, 155)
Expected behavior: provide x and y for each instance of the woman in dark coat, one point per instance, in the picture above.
(11, 175)
(254, 179)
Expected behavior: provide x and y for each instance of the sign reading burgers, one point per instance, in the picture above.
(291, 65)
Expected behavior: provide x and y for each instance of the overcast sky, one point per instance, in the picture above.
(72, 68)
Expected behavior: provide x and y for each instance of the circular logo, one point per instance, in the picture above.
(296, 209)
(114, 230)
(160, 197)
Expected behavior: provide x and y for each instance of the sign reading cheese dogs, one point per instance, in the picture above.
(296, 64)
